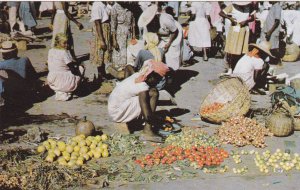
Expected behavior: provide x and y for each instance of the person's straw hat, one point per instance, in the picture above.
(147, 16)
(241, 3)
(264, 46)
(7, 46)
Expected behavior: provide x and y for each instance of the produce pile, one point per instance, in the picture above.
(76, 151)
(192, 136)
(197, 156)
(125, 145)
(241, 131)
(211, 108)
(278, 161)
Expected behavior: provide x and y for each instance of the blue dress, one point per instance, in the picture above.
(27, 14)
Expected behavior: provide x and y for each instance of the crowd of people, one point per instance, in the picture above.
(143, 44)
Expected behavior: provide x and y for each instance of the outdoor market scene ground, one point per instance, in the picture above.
(57, 120)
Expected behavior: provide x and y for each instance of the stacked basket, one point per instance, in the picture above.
(233, 94)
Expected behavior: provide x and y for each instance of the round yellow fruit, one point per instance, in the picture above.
(82, 136)
(53, 144)
(93, 146)
(49, 158)
(88, 142)
(69, 149)
(86, 156)
(104, 146)
(45, 143)
(76, 148)
(97, 154)
(75, 154)
(71, 163)
(79, 162)
(98, 138)
(61, 146)
(91, 154)
(81, 143)
(41, 149)
(51, 154)
(83, 150)
(67, 157)
(57, 152)
(62, 162)
(104, 137)
(99, 149)
(105, 154)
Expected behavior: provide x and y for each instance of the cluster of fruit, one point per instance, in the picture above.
(242, 170)
(76, 151)
(278, 161)
(198, 156)
(211, 108)
(192, 136)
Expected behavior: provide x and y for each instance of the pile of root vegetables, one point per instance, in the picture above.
(241, 131)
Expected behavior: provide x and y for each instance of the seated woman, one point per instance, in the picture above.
(64, 74)
(136, 96)
(251, 68)
(19, 67)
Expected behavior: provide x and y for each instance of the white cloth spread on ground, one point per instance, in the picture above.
(174, 55)
(123, 102)
(60, 77)
(199, 35)
(99, 12)
(245, 68)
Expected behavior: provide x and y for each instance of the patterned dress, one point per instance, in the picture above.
(121, 20)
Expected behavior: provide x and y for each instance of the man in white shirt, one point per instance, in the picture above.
(251, 68)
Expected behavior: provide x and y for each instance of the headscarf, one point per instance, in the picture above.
(151, 45)
(150, 66)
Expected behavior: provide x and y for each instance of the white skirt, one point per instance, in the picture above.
(199, 35)
(296, 32)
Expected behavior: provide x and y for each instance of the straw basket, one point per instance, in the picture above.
(21, 45)
(296, 124)
(233, 94)
(280, 124)
(292, 53)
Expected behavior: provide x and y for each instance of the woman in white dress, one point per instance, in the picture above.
(199, 36)
(64, 76)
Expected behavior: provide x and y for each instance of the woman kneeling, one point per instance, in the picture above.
(64, 74)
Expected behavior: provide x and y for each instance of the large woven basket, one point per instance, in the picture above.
(280, 124)
(296, 124)
(233, 94)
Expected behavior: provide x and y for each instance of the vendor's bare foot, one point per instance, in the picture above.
(149, 135)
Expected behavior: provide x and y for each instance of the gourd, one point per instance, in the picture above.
(85, 127)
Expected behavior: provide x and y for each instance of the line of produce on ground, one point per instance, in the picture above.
(103, 160)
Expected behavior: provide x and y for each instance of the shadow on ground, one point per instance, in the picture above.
(180, 77)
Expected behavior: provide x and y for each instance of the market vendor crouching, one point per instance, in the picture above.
(137, 96)
(252, 68)
(64, 74)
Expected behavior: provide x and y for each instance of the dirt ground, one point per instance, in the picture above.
(194, 83)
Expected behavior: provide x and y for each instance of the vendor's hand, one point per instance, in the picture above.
(243, 23)
(79, 25)
(115, 45)
(233, 21)
(103, 46)
(268, 36)
(166, 48)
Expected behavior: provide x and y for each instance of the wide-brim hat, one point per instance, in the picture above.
(264, 46)
(241, 3)
(7, 46)
(147, 16)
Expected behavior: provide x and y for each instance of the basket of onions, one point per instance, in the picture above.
(229, 98)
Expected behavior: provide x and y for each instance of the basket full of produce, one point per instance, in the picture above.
(229, 98)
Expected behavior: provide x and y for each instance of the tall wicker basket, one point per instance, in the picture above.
(233, 94)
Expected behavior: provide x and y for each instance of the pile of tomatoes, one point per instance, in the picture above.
(202, 156)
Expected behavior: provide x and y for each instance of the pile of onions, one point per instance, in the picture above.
(241, 131)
